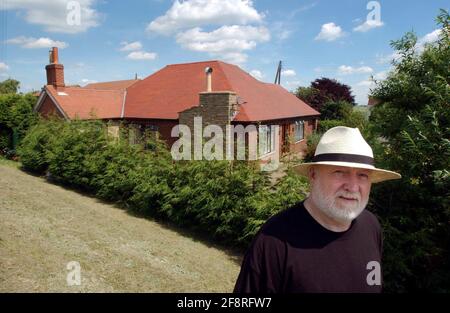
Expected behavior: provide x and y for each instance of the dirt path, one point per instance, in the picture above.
(44, 226)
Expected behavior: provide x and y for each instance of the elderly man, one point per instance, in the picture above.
(327, 243)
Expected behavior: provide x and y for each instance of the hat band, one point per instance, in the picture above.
(343, 157)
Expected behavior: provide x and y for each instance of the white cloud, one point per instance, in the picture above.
(53, 15)
(420, 46)
(348, 70)
(195, 13)
(365, 83)
(3, 67)
(330, 32)
(291, 85)
(318, 69)
(132, 46)
(232, 57)
(142, 55)
(383, 59)
(380, 75)
(282, 30)
(33, 43)
(362, 88)
(427, 39)
(300, 9)
(190, 21)
(227, 42)
(361, 91)
(368, 25)
(288, 73)
(86, 81)
(285, 34)
(257, 74)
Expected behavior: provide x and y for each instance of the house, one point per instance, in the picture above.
(373, 101)
(221, 93)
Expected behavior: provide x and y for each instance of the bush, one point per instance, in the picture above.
(16, 117)
(311, 144)
(325, 125)
(71, 153)
(336, 110)
(413, 119)
(226, 200)
(34, 147)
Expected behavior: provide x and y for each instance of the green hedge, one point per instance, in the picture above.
(226, 200)
(16, 117)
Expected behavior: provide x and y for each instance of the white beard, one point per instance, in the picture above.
(334, 208)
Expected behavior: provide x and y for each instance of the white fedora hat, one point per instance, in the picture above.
(345, 146)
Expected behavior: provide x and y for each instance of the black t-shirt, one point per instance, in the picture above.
(293, 253)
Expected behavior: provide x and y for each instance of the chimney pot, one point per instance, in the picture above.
(208, 72)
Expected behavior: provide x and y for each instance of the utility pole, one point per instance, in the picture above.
(278, 75)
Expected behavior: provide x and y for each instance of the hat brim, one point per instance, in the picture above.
(377, 175)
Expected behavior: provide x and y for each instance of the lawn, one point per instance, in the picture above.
(44, 226)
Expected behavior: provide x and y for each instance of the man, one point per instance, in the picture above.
(327, 243)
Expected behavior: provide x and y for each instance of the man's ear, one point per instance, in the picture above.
(312, 172)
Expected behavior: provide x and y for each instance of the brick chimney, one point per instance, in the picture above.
(55, 71)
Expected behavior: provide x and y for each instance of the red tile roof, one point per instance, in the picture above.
(176, 88)
(114, 85)
(85, 103)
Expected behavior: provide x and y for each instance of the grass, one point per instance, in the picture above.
(7, 162)
(45, 226)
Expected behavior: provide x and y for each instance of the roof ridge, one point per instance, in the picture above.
(186, 63)
(113, 81)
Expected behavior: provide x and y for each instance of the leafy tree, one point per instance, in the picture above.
(324, 90)
(336, 110)
(9, 86)
(16, 116)
(413, 120)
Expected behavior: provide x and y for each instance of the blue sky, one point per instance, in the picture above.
(113, 40)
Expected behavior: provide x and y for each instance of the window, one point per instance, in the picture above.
(298, 131)
(266, 139)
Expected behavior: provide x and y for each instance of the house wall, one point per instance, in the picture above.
(164, 127)
(216, 108)
(48, 108)
(310, 125)
(299, 148)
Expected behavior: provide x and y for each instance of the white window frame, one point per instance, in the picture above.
(299, 126)
(266, 140)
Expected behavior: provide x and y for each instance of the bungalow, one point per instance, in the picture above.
(221, 93)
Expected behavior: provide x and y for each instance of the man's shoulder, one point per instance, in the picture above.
(281, 225)
(368, 218)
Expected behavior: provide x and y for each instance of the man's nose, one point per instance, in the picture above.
(351, 183)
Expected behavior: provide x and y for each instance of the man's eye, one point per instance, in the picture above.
(365, 176)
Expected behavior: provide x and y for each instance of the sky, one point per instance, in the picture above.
(102, 40)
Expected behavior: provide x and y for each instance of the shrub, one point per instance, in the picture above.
(413, 119)
(34, 147)
(228, 200)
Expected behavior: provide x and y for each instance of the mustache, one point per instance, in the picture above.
(349, 195)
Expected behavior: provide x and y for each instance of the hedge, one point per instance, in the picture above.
(227, 200)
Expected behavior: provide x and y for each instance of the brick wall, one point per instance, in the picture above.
(164, 128)
(215, 109)
(48, 108)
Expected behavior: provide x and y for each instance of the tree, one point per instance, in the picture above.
(336, 110)
(16, 117)
(324, 90)
(9, 86)
(413, 118)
